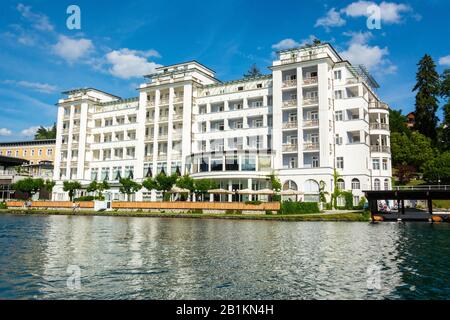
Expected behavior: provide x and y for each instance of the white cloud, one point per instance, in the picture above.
(444, 61)
(373, 57)
(291, 43)
(30, 132)
(39, 21)
(286, 44)
(391, 12)
(331, 19)
(72, 50)
(126, 63)
(5, 132)
(36, 86)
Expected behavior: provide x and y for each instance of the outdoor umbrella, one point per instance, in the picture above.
(268, 192)
(179, 190)
(247, 191)
(219, 191)
(290, 192)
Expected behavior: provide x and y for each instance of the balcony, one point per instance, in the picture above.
(379, 126)
(310, 146)
(289, 83)
(310, 123)
(382, 149)
(290, 148)
(290, 103)
(177, 117)
(163, 118)
(178, 100)
(162, 157)
(148, 158)
(378, 105)
(162, 136)
(309, 102)
(163, 101)
(310, 81)
(290, 125)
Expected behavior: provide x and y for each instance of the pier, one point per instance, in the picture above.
(409, 204)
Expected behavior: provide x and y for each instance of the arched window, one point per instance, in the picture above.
(341, 184)
(290, 185)
(311, 186)
(356, 185)
(377, 184)
(386, 184)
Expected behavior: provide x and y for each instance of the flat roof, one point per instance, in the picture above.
(83, 90)
(183, 63)
(10, 161)
(27, 143)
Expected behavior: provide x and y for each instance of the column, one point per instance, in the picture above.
(300, 117)
(140, 136)
(170, 130)
(277, 135)
(156, 131)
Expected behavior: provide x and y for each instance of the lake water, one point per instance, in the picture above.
(155, 258)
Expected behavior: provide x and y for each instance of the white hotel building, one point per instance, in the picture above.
(314, 113)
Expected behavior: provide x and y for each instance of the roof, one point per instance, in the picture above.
(27, 143)
(183, 63)
(242, 80)
(312, 47)
(84, 90)
(10, 161)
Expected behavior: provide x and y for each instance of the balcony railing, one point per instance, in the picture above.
(290, 125)
(382, 149)
(163, 118)
(178, 100)
(148, 157)
(13, 172)
(290, 148)
(310, 146)
(290, 103)
(378, 105)
(310, 123)
(177, 117)
(162, 136)
(289, 83)
(164, 101)
(311, 80)
(379, 126)
(308, 102)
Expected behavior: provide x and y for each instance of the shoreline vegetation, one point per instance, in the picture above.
(344, 217)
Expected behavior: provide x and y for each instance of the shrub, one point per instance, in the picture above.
(3, 205)
(291, 207)
(85, 198)
(256, 203)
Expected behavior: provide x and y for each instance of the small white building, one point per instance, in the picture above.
(314, 113)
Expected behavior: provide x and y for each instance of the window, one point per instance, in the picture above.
(40, 152)
(356, 185)
(376, 164)
(292, 117)
(338, 139)
(259, 85)
(340, 162)
(385, 164)
(356, 201)
(94, 174)
(25, 152)
(32, 152)
(291, 185)
(386, 184)
(293, 162)
(338, 94)
(240, 88)
(338, 75)
(376, 185)
(257, 104)
(17, 153)
(341, 184)
(49, 152)
(339, 116)
(248, 163)
(315, 161)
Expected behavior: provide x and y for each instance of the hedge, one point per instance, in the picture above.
(3, 205)
(290, 207)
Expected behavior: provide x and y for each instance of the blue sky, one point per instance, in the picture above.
(119, 41)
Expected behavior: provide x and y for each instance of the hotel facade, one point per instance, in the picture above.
(313, 114)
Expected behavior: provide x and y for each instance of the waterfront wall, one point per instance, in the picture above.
(269, 206)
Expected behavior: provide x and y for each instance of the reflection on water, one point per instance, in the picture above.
(148, 258)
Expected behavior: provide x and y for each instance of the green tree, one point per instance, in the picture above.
(71, 187)
(253, 72)
(444, 136)
(414, 150)
(437, 170)
(44, 133)
(397, 122)
(29, 186)
(129, 187)
(165, 183)
(186, 182)
(203, 185)
(428, 89)
(98, 187)
(275, 185)
(336, 191)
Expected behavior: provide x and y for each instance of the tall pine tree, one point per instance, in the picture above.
(445, 94)
(427, 87)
